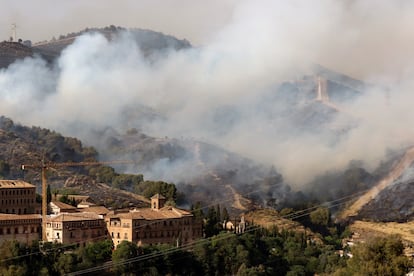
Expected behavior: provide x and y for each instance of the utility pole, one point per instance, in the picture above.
(45, 166)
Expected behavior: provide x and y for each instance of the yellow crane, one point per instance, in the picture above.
(50, 165)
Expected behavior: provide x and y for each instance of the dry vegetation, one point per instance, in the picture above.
(364, 230)
(269, 218)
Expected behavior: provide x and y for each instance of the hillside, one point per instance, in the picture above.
(32, 145)
(269, 219)
(390, 198)
(203, 172)
(364, 230)
(274, 129)
(11, 51)
(148, 41)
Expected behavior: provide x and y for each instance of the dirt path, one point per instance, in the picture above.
(396, 172)
(237, 199)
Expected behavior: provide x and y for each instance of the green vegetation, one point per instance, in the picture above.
(134, 183)
(4, 169)
(17, 259)
(258, 251)
(378, 256)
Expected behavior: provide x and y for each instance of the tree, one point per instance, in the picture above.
(225, 214)
(9, 250)
(320, 216)
(124, 251)
(211, 225)
(66, 263)
(197, 211)
(96, 253)
(378, 256)
(64, 199)
(48, 194)
(4, 168)
(218, 213)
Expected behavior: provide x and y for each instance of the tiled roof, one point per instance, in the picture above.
(15, 184)
(18, 217)
(86, 203)
(167, 212)
(62, 217)
(62, 205)
(100, 210)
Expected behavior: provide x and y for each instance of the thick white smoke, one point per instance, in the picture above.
(264, 45)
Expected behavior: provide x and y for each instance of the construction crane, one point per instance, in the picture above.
(45, 166)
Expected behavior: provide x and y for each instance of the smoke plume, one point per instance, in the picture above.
(232, 92)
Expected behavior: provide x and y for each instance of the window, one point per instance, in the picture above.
(118, 236)
(16, 230)
(125, 236)
(112, 234)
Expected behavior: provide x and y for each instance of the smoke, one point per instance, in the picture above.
(238, 90)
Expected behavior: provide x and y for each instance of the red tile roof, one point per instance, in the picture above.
(100, 210)
(15, 184)
(18, 217)
(62, 217)
(166, 212)
(62, 205)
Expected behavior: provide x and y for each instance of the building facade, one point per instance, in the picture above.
(70, 228)
(158, 224)
(22, 228)
(18, 197)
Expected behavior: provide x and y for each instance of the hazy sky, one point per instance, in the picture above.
(43, 19)
(354, 37)
(248, 47)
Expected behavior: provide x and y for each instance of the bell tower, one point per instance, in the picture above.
(157, 202)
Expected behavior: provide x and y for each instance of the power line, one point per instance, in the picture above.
(291, 216)
(201, 241)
